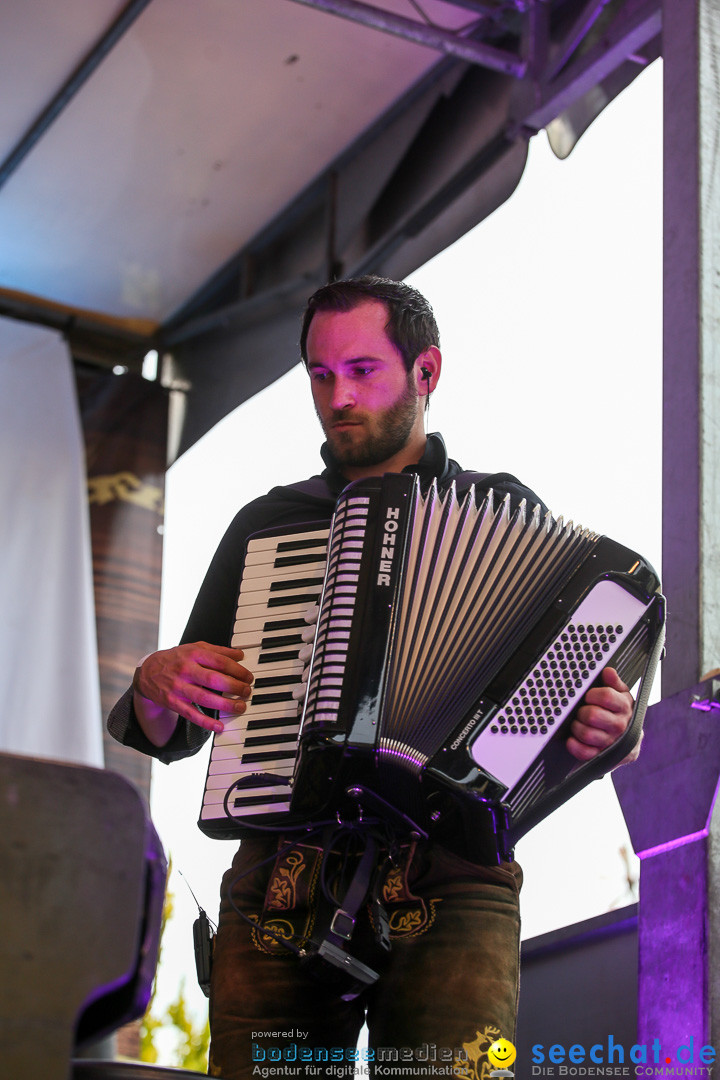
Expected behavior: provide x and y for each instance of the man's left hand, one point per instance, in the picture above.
(602, 719)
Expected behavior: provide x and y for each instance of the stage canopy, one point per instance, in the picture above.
(180, 174)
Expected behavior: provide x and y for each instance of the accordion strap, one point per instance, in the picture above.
(330, 962)
(342, 921)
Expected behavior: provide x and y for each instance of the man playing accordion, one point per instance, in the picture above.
(447, 986)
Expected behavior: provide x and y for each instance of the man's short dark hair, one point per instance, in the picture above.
(411, 325)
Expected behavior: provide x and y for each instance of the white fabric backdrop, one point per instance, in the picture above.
(49, 683)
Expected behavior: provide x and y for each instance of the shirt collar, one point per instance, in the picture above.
(434, 464)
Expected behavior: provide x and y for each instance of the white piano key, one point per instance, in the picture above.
(269, 799)
(255, 660)
(219, 781)
(266, 624)
(275, 710)
(229, 748)
(263, 575)
(285, 584)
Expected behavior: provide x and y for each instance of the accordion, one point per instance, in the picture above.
(455, 639)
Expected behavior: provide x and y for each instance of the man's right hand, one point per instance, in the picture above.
(174, 682)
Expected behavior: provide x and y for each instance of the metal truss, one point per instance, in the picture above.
(523, 26)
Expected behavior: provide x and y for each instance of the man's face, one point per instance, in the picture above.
(366, 401)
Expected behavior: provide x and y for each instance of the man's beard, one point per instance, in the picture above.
(386, 434)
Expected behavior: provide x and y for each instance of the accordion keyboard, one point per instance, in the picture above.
(255, 754)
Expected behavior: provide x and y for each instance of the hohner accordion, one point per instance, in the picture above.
(455, 640)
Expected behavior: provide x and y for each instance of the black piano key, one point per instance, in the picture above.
(267, 755)
(266, 740)
(281, 641)
(259, 800)
(297, 560)
(301, 598)
(284, 624)
(274, 680)
(299, 545)
(296, 583)
(260, 779)
(270, 699)
(271, 722)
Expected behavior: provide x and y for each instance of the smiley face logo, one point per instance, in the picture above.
(501, 1053)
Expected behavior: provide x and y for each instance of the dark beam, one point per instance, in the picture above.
(102, 340)
(432, 37)
(637, 23)
(577, 34)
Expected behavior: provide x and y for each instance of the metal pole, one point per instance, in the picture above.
(691, 411)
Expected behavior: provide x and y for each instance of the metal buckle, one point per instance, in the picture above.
(342, 924)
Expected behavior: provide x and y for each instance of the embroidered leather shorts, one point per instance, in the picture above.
(450, 979)
(304, 880)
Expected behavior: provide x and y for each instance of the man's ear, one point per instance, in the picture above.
(427, 370)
